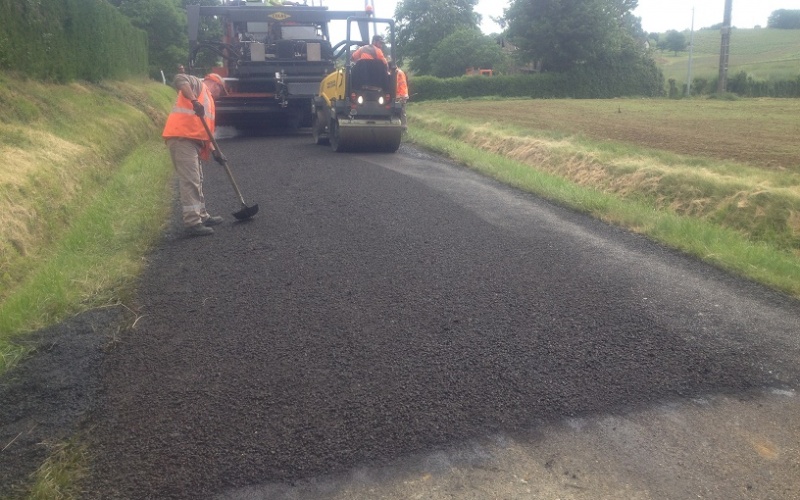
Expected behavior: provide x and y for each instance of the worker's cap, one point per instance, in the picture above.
(218, 80)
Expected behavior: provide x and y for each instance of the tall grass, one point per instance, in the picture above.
(59, 475)
(82, 195)
(99, 256)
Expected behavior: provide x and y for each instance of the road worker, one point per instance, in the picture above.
(372, 51)
(188, 142)
(401, 91)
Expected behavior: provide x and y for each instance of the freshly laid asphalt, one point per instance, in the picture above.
(381, 306)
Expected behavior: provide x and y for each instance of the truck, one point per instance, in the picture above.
(272, 59)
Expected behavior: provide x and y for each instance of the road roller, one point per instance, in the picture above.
(356, 108)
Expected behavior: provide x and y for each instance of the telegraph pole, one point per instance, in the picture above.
(722, 83)
(691, 50)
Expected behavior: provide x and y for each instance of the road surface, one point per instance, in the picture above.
(397, 326)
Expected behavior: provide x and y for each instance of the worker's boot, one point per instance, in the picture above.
(213, 220)
(199, 230)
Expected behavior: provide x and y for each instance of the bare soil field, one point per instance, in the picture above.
(758, 132)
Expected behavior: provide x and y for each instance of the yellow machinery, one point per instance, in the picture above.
(357, 109)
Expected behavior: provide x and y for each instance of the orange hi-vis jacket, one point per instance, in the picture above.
(183, 122)
(402, 84)
(368, 52)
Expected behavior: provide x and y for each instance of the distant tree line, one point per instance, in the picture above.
(440, 38)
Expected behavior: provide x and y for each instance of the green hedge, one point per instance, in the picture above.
(746, 86)
(423, 88)
(65, 40)
(741, 84)
(607, 80)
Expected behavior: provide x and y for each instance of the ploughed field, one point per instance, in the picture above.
(759, 132)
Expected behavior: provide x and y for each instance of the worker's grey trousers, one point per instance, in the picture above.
(403, 119)
(185, 155)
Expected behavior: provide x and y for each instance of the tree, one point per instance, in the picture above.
(422, 24)
(561, 34)
(165, 24)
(465, 48)
(784, 19)
(675, 41)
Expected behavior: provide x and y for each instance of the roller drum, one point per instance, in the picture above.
(365, 137)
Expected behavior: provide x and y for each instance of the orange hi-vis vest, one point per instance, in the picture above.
(368, 52)
(183, 122)
(402, 84)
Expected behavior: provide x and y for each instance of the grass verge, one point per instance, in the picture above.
(58, 477)
(83, 193)
(99, 256)
(677, 205)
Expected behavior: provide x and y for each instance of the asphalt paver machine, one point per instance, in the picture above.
(272, 59)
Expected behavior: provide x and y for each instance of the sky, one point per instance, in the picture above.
(662, 15)
(657, 15)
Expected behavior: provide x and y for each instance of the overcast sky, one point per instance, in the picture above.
(663, 15)
(657, 15)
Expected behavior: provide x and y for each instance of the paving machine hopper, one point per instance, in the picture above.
(272, 58)
(356, 108)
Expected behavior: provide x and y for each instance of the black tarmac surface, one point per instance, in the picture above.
(383, 305)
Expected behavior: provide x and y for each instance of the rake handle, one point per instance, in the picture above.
(224, 162)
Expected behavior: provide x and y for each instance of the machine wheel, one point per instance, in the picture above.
(334, 136)
(392, 143)
(318, 130)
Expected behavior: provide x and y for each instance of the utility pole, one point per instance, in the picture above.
(691, 51)
(369, 7)
(722, 83)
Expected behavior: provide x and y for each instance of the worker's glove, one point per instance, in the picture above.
(219, 157)
(199, 110)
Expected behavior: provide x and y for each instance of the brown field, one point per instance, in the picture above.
(759, 132)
